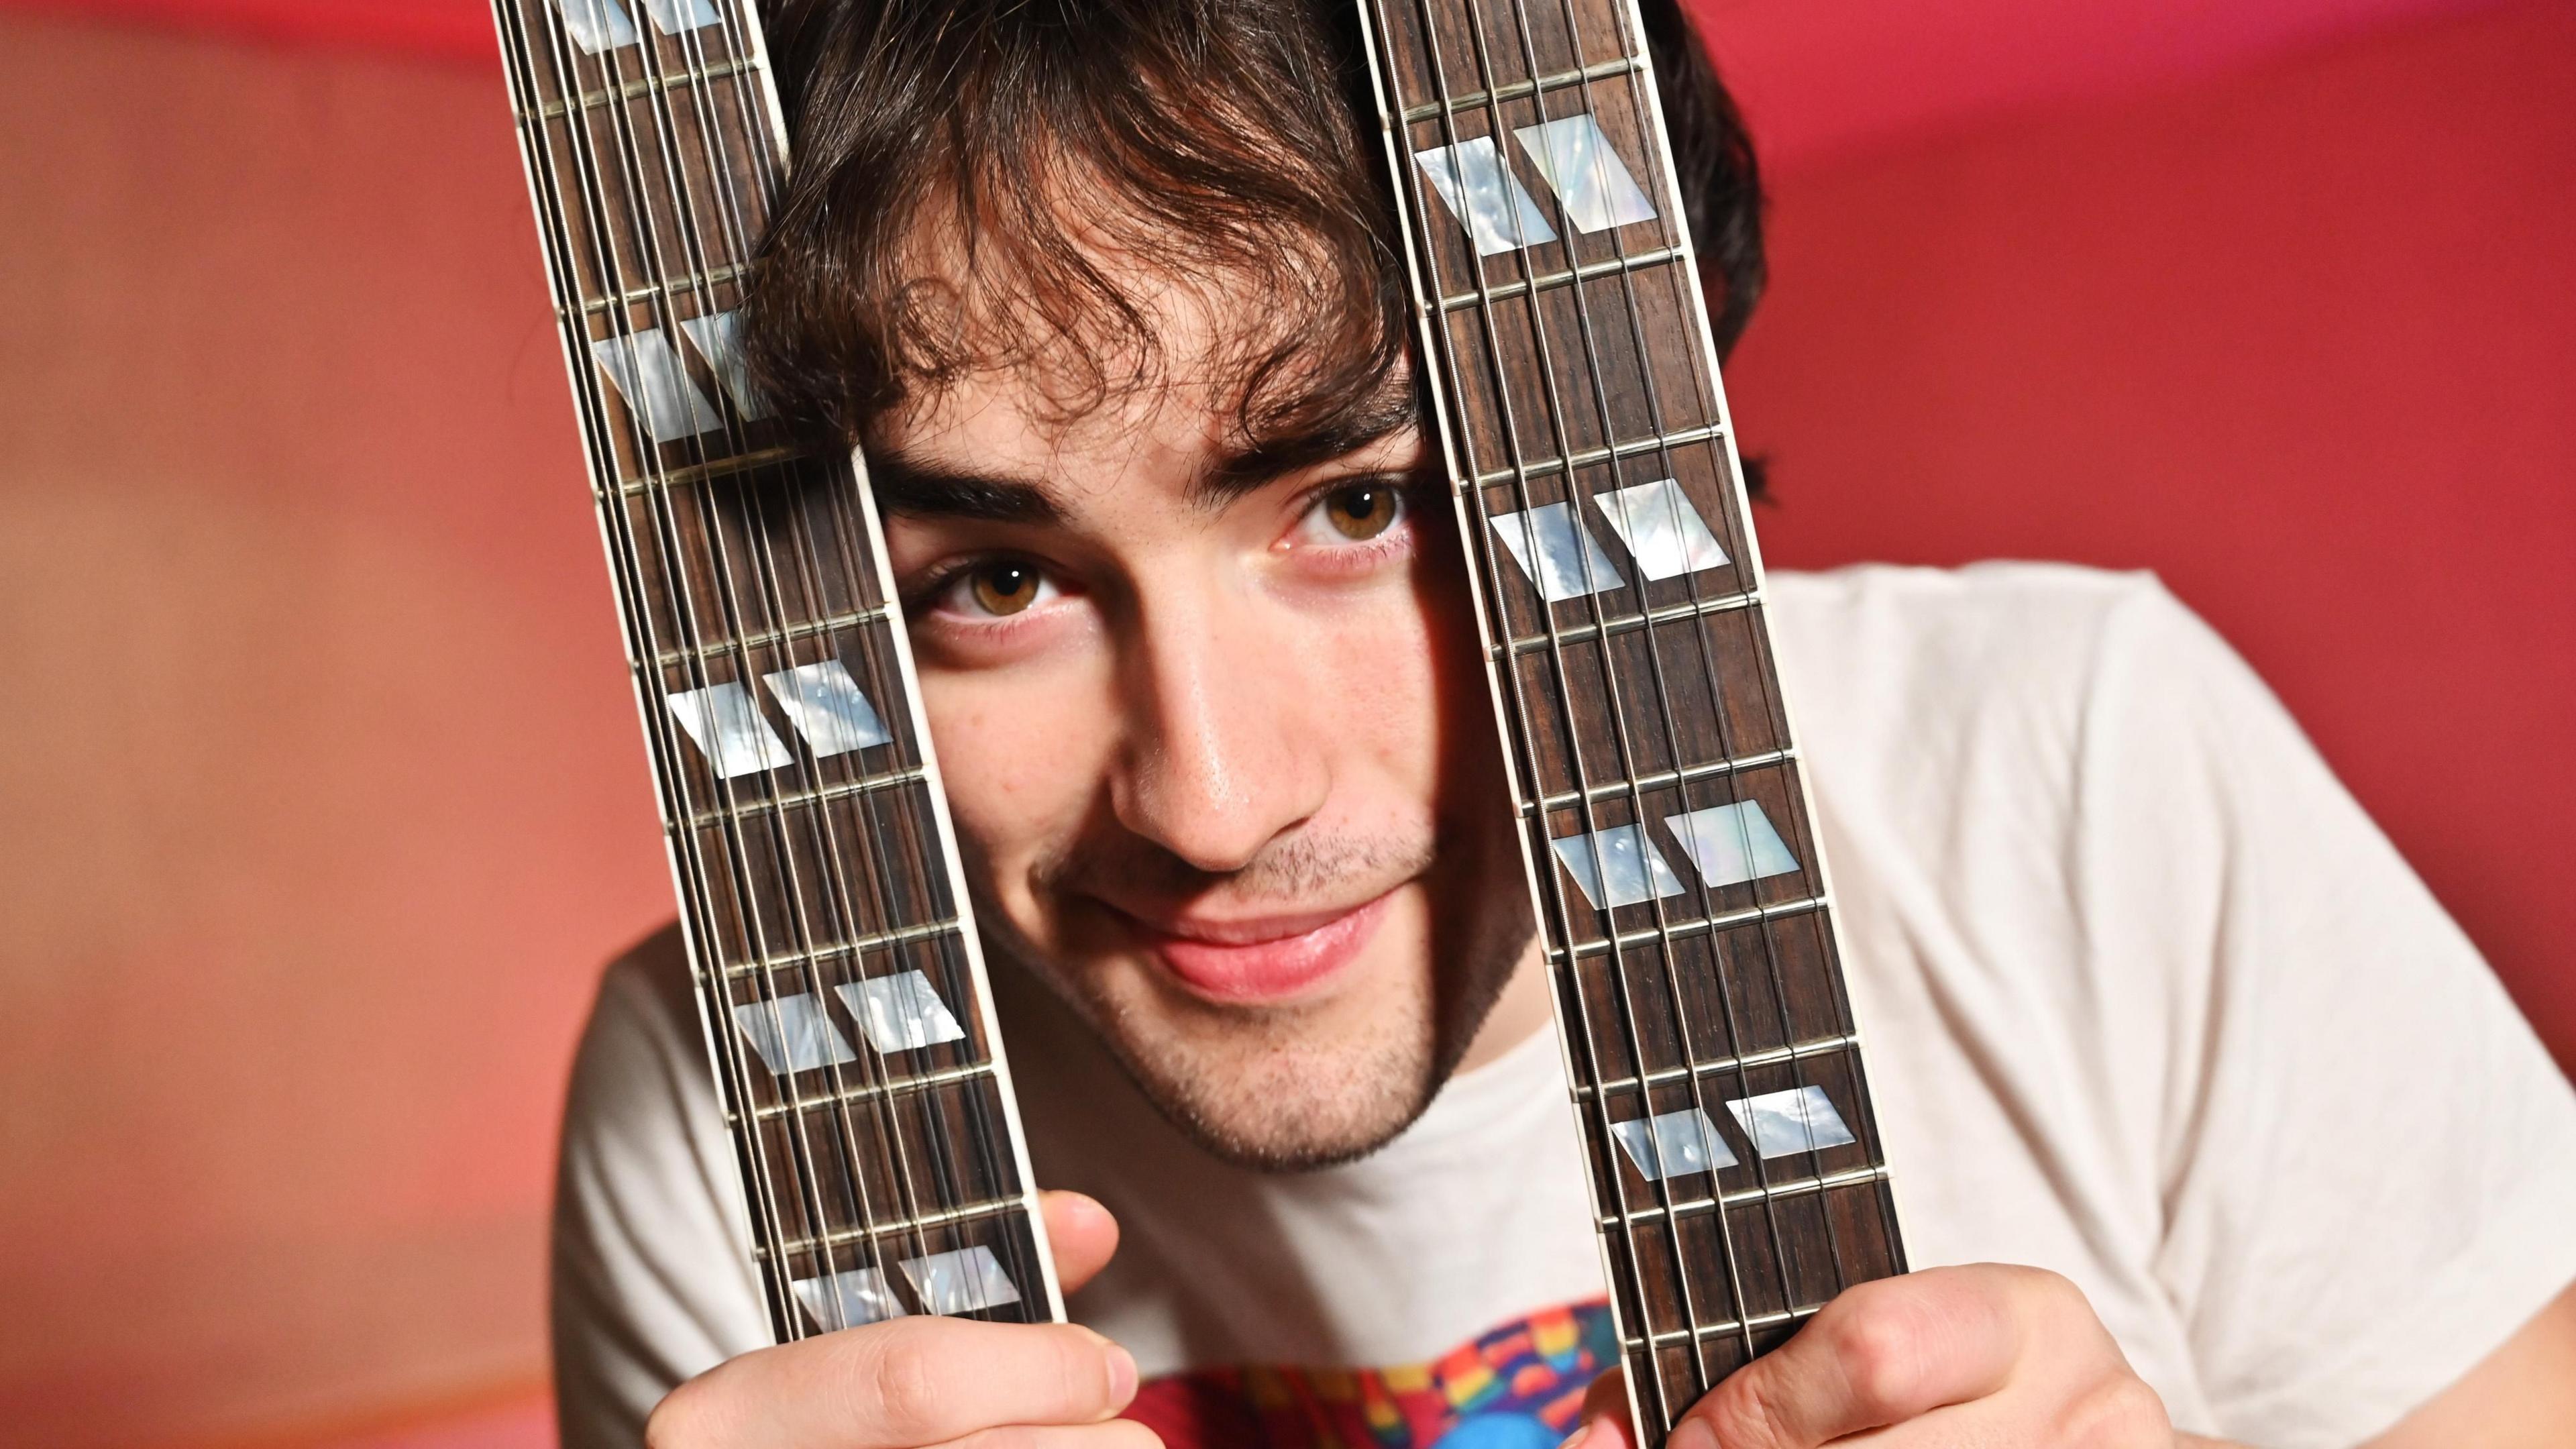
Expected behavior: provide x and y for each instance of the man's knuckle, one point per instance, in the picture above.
(2119, 1413)
(899, 1382)
(1879, 1347)
(1742, 1411)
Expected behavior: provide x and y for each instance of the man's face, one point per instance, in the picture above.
(1218, 743)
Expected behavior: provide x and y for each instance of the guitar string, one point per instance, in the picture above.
(742, 491)
(747, 495)
(740, 823)
(1656, 158)
(1644, 95)
(1542, 855)
(1678, 1278)
(1732, 1265)
(992, 1139)
(916, 840)
(601, 231)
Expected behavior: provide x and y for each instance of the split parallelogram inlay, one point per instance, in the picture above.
(849, 1021)
(1735, 1163)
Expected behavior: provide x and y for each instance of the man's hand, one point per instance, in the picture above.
(910, 1383)
(1987, 1356)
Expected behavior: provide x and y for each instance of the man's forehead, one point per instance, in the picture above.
(989, 449)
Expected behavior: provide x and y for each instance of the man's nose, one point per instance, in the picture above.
(1223, 753)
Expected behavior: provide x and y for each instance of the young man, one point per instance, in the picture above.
(1109, 292)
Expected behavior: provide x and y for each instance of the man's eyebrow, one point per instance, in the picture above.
(1342, 432)
(926, 490)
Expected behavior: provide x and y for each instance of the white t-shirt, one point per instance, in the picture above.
(2147, 999)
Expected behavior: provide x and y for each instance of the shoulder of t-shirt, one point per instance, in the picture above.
(1939, 660)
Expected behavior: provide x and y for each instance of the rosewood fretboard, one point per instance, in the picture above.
(837, 967)
(1735, 1163)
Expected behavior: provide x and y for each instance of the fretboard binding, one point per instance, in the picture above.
(1733, 1327)
(769, 638)
(837, 950)
(1551, 281)
(638, 89)
(1657, 442)
(1660, 780)
(1630, 623)
(1555, 81)
(877, 1230)
(1696, 926)
(1761, 1192)
(867, 1092)
(1795, 1051)
(666, 479)
(695, 284)
(754, 809)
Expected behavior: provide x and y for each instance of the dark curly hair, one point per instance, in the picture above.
(982, 183)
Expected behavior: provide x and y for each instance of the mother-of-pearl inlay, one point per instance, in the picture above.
(827, 708)
(1616, 867)
(900, 1013)
(848, 1299)
(1732, 844)
(1576, 162)
(1663, 533)
(1498, 212)
(1674, 1144)
(729, 731)
(960, 1282)
(792, 1034)
(1801, 1119)
(1554, 548)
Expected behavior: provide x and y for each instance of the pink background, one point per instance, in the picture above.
(321, 782)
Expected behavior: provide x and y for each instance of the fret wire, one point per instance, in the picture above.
(886, 1086)
(1659, 780)
(1565, 277)
(639, 89)
(853, 945)
(777, 805)
(617, 531)
(1644, 96)
(1766, 1192)
(1618, 624)
(1559, 80)
(728, 598)
(709, 471)
(644, 295)
(1621, 744)
(915, 1224)
(1698, 926)
(1660, 442)
(1510, 435)
(777, 638)
(1769, 1057)
(934, 832)
(820, 823)
(1678, 1336)
(1655, 412)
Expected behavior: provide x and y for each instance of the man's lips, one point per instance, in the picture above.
(1259, 960)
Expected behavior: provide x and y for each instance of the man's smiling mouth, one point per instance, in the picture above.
(1257, 960)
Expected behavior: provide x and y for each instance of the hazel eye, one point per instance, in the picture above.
(1005, 587)
(1362, 511)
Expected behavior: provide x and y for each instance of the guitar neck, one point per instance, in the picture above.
(837, 967)
(1679, 887)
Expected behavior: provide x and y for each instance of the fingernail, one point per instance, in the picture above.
(1577, 1437)
(1691, 1434)
(1122, 1375)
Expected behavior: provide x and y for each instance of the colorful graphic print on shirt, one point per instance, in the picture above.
(1519, 1386)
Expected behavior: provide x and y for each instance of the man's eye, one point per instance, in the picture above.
(1003, 587)
(1362, 511)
